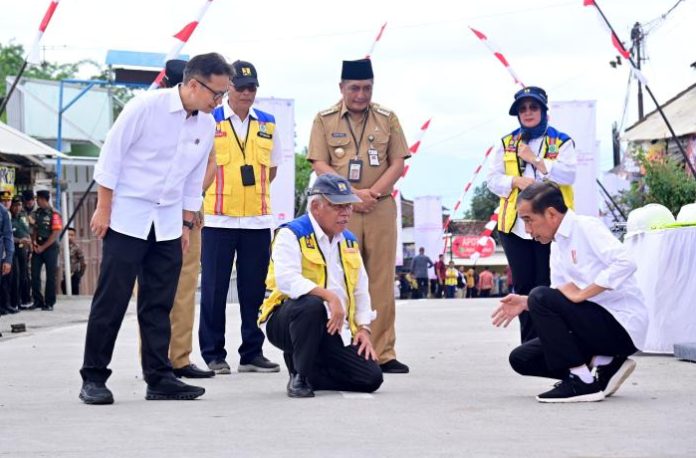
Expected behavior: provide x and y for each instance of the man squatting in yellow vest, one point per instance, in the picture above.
(318, 311)
(363, 142)
(238, 221)
(533, 152)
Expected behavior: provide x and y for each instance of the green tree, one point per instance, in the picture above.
(303, 169)
(483, 204)
(665, 182)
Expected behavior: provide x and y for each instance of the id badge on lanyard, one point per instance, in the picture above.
(355, 170)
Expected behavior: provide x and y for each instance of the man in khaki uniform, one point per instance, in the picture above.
(372, 168)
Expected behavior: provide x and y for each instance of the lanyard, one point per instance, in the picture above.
(246, 139)
(362, 132)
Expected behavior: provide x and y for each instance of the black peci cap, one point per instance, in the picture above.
(357, 70)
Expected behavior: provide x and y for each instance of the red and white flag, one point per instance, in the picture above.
(413, 150)
(34, 56)
(182, 38)
(498, 55)
(374, 43)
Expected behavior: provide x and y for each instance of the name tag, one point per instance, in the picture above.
(339, 134)
(264, 135)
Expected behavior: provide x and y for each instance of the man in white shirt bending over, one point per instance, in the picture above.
(150, 175)
(592, 317)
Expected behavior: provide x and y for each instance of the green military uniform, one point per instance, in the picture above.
(46, 221)
(20, 286)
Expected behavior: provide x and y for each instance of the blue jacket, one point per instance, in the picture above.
(6, 234)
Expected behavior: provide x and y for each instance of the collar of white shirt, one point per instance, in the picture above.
(566, 226)
(320, 234)
(175, 102)
(227, 111)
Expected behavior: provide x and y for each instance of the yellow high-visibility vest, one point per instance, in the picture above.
(550, 146)
(227, 195)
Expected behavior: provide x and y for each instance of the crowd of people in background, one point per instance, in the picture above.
(449, 281)
(30, 231)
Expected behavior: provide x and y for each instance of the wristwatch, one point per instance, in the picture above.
(188, 224)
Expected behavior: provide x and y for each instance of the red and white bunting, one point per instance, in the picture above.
(374, 43)
(617, 44)
(498, 55)
(477, 170)
(413, 150)
(34, 56)
(182, 38)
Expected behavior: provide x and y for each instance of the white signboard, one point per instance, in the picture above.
(283, 187)
(427, 226)
(579, 120)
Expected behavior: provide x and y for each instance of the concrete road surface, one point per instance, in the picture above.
(461, 399)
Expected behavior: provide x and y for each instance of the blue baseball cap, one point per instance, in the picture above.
(530, 92)
(335, 189)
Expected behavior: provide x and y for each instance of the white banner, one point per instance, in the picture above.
(283, 186)
(427, 226)
(579, 120)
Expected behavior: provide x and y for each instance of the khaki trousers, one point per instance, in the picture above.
(184, 309)
(376, 234)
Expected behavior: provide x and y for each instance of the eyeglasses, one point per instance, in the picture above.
(216, 95)
(248, 87)
(528, 106)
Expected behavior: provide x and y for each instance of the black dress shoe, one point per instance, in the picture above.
(96, 393)
(299, 387)
(172, 389)
(394, 367)
(47, 308)
(192, 371)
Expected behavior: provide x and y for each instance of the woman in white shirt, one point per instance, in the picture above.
(533, 152)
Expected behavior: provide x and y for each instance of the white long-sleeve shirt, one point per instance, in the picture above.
(561, 171)
(154, 159)
(287, 262)
(585, 252)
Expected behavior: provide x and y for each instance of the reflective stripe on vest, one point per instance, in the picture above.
(314, 268)
(550, 146)
(227, 196)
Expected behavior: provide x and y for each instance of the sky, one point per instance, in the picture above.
(428, 63)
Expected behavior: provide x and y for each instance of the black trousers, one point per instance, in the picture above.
(252, 248)
(298, 327)
(20, 290)
(529, 263)
(75, 280)
(49, 258)
(570, 335)
(422, 288)
(156, 266)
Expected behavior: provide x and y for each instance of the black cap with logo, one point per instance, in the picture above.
(244, 74)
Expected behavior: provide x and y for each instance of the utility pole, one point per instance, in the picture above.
(637, 37)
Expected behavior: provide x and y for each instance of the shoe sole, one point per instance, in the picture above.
(174, 397)
(295, 396)
(251, 368)
(592, 397)
(194, 376)
(96, 402)
(621, 375)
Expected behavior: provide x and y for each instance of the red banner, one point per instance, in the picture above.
(463, 246)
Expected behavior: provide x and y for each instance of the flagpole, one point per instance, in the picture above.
(649, 91)
(12, 88)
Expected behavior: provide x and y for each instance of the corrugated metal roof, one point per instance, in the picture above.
(681, 113)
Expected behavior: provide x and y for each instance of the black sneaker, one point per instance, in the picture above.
(572, 389)
(96, 393)
(172, 389)
(394, 366)
(612, 375)
(259, 364)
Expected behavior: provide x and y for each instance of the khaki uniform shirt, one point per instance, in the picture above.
(331, 141)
